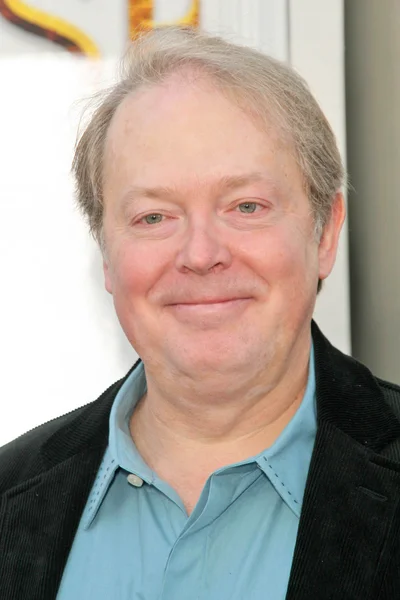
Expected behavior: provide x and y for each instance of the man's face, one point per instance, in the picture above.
(211, 258)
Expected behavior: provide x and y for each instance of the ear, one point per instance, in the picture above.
(107, 276)
(329, 241)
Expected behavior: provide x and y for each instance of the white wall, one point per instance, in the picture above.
(61, 344)
(316, 50)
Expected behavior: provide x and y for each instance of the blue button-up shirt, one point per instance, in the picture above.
(135, 540)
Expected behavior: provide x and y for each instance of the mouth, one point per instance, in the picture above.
(209, 301)
(212, 310)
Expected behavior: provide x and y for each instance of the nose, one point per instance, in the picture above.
(203, 250)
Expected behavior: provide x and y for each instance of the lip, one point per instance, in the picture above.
(209, 313)
(209, 301)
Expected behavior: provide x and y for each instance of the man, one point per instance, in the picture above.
(242, 457)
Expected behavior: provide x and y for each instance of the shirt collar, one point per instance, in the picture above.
(122, 447)
(285, 463)
(121, 451)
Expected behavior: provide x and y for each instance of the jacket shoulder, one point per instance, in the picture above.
(52, 443)
(21, 458)
(57, 440)
(391, 393)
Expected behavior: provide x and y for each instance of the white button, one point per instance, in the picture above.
(135, 480)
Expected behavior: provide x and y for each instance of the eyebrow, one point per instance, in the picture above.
(225, 183)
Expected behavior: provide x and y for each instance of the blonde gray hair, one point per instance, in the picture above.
(267, 88)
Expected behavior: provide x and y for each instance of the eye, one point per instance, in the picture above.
(152, 218)
(249, 207)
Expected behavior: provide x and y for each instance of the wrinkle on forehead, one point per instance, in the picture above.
(156, 103)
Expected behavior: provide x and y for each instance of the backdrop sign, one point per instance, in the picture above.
(146, 14)
(93, 28)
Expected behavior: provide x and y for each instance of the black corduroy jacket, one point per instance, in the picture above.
(348, 543)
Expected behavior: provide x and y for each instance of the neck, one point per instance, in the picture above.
(175, 425)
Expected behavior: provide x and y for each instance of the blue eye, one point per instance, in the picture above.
(153, 218)
(250, 207)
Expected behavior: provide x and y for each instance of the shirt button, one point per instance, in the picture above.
(135, 480)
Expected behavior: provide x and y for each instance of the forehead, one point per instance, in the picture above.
(187, 127)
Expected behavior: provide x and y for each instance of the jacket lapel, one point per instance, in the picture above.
(40, 515)
(351, 504)
(40, 518)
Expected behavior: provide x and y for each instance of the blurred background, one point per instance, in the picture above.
(60, 342)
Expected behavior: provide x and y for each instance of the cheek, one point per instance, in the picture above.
(283, 255)
(133, 272)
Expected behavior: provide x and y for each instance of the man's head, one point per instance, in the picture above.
(210, 173)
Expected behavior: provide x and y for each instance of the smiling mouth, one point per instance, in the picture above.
(214, 301)
(210, 310)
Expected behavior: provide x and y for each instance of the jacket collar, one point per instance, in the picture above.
(89, 429)
(351, 514)
(349, 397)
